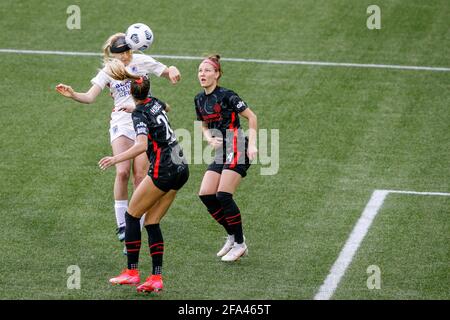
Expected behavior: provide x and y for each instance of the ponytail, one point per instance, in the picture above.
(139, 87)
(116, 70)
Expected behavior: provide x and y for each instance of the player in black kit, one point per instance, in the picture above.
(219, 109)
(168, 173)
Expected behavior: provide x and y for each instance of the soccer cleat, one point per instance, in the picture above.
(120, 233)
(227, 246)
(130, 277)
(153, 283)
(238, 250)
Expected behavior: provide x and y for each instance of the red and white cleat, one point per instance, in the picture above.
(129, 277)
(153, 283)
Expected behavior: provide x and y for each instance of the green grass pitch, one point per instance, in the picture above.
(344, 132)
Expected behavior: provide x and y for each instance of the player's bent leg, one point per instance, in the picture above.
(121, 180)
(229, 182)
(119, 145)
(121, 197)
(120, 207)
(154, 282)
(140, 168)
(159, 209)
(144, 197)
(210, 183)
(156, 245)
(233, 217)
(207, 195)
(121, 191)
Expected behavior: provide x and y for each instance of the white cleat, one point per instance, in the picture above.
(238, 250)
(227, 246)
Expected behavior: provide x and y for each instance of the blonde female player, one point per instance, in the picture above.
(121, 130)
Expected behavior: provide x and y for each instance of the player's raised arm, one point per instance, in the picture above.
(139, 147)
(83, 97)
(172, 74)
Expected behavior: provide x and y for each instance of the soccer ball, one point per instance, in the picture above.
(139, 36)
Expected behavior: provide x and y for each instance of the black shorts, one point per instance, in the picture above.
(240, 162)
(240, 168)
(174, 180)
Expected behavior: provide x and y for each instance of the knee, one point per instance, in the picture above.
(224, 197)
(137, 179)
(130, 216)
(123, 174)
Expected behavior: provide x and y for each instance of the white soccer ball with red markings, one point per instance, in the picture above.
(139, 36)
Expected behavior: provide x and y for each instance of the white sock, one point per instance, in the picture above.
(120, 206)
(142, 221)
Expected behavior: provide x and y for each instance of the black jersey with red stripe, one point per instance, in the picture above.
(219, 109)
(163, 151)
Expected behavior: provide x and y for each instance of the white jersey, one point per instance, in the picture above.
(140, 64)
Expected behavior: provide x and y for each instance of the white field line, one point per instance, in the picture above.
(347, 253)
(283, 62)
(420, 193)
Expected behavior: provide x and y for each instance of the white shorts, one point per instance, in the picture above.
(118, 130)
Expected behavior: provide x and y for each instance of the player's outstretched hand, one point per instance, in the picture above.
(251, 152)
(106, 162)
(174, 75)
(65, 90)
(215, 142)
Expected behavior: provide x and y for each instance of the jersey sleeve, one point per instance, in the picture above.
(162, 103)
(199, 116)
(101, 79)
(140, 123)
(236, 103)
(153, 66)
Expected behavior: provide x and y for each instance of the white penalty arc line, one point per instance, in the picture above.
(282, 62)
(357, 235)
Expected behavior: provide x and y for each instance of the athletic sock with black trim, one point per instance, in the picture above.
(156, 245)
(215, 210)
(132, 240)
(232, 215)
(120, 207)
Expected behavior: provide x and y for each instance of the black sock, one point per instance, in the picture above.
(132, 240)
(232, 215)
(215, 210)
(156, 244)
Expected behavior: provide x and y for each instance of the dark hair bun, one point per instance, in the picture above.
(214, 57)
